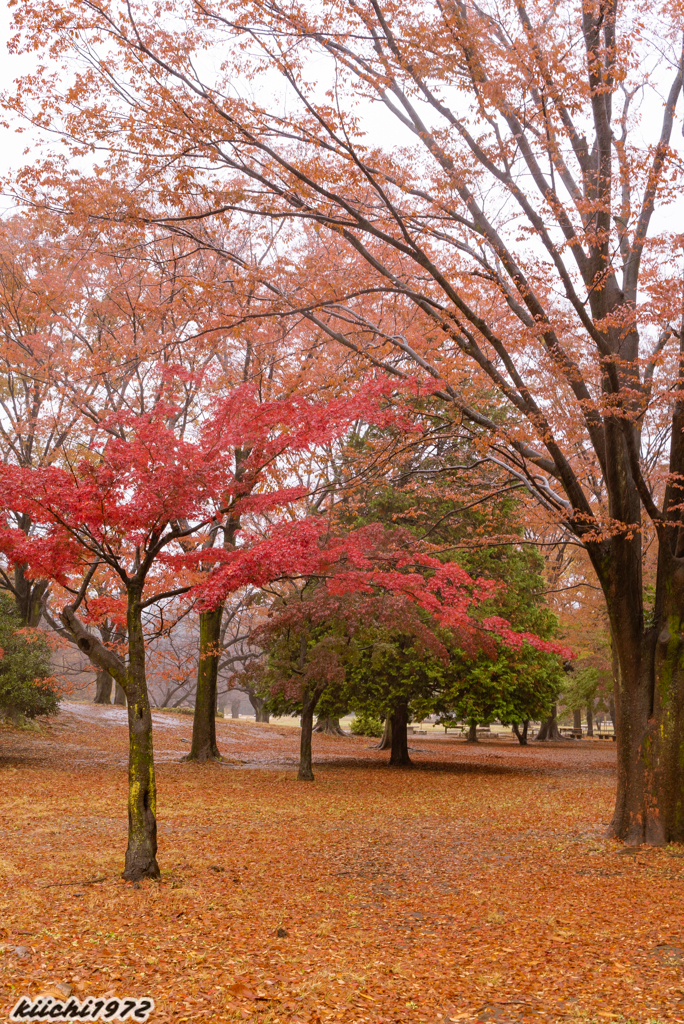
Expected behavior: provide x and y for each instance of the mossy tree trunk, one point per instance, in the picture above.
(141, 853)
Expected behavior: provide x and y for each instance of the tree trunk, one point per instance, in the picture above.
(590, 721)
(472, 732)
(522, 736)
(120, 696)
(399, 758)
(203, 747)
(235, 709)
(258, 703)
(549, 727)
(386, 740)
(103, 687)
(649, 705)
(577, 724)
(29, 596)
(309, 703)
(141, 855)
(329, 726)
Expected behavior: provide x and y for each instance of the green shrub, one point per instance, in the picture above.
(26, 685)
(365, 724)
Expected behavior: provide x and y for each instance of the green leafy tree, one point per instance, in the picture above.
(514, 685)
(443, 494)
(364, 724)
(26, 686)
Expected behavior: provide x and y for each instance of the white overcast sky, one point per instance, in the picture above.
(380, 129)
(12, 145)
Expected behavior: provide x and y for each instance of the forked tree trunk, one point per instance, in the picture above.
(141, 855)
(203, 746)
(549, 727)
(260, 714)
(104, 679)
(103, 687)
(522, 735)
(386, 740)
(399, 758)
(329, 727)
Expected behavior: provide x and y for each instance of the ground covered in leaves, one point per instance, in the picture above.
(474, 887)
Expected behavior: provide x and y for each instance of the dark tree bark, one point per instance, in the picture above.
(399, 757)
(258, 703)
(649, 698)
(103, 687)
(549, 727)
(329, 727)
(203, 747)
(386, 739)
(472, 732)
(590, 721)
(309, 702)
(577, 724)
(120, 696)
(28, 596)
(522, 735)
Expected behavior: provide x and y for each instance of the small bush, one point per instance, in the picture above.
(26, 686)
(365, 724)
